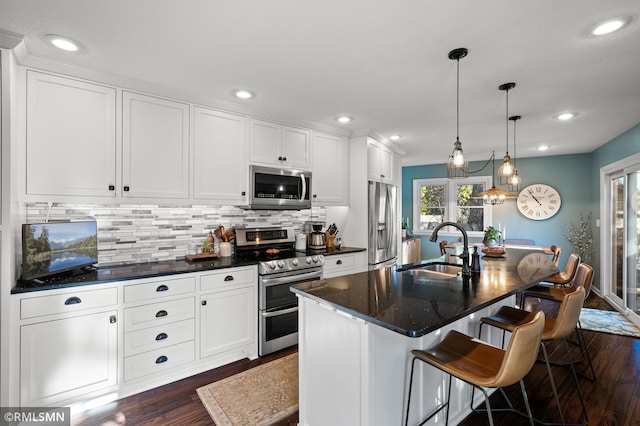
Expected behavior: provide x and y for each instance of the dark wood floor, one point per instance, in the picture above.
(614, 399)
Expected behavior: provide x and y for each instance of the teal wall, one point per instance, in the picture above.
(576, 177)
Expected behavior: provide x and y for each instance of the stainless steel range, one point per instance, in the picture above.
(280, 266)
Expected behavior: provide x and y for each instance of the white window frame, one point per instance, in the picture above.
(450, 204)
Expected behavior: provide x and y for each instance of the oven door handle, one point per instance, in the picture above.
(281, 312)
(291, 278)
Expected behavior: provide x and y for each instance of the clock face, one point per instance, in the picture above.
(533, 265)
(538, 201)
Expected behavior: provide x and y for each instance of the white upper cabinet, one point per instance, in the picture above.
(379, 162)
(155, 147)
(219, 156)
(277, 145)
(71, 137)
(330, 172)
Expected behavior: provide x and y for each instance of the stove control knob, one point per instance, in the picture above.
(294, 262)
(280, 264)
(315, 259)
(308, 260)
(272, 265)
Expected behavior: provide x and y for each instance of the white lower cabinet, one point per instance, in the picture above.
(228, 320)
(68, 358)
(126, 337)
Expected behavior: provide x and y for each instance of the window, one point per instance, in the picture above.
(449, 200)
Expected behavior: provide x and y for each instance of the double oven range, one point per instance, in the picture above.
(279, 267)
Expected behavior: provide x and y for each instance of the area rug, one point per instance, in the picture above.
(607, 322)
(262, 395)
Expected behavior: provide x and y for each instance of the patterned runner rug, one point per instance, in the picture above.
(262, 395)
(607, 322)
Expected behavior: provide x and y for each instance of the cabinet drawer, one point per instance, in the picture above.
(339, 262)
(159, 337)
(160, 288)
(159, 360)
(158, 314)
(227, 278)
(67, 302)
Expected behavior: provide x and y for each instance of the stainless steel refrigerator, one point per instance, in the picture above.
(383, 245)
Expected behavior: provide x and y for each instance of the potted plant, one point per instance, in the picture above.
(491, 237)
(405, 224)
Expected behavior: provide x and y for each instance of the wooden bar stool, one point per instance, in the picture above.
(481, 364)
(509, 318)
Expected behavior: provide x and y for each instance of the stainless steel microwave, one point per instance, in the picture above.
(279, 189)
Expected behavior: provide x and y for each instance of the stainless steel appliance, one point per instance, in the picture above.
(317, 240)
(279, 189)
(280, 266)
(383, 234)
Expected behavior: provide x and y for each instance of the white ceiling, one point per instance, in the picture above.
(383, 62)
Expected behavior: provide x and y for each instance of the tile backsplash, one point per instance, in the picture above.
(139, 233)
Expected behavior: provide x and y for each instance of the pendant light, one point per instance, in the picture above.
(458, 163)
(505, 172)
(515, 183)
(494, 195)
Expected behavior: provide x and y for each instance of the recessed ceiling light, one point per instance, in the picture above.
(344, 119)
(63, 43)
(565, 116)
(395, 137)
(608, 26)
(243, 94)
(543, 147)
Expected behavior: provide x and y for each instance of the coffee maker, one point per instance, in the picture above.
(317, 240)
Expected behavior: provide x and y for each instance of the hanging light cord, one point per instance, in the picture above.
(514, 141)
(507, 118)
(458, 100)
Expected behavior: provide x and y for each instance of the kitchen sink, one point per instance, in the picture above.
(435, 271)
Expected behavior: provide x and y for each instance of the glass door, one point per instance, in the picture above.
(624, 246)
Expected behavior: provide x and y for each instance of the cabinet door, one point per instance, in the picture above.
(219, 156)
(155, 145)
(67, 358)
(264, 142)
(330, 170)
(296, 148)
(228, 320)
(379, 162)
(71, 137)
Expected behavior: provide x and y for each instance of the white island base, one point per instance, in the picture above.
(353, 372)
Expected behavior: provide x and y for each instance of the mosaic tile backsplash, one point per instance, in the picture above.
(143, 233)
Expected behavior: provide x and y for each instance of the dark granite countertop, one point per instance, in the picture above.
(134, 271)
(408, 301)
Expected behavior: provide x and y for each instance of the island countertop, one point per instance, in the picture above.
(409, 301)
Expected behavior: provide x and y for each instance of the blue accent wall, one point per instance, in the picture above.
(576, 177)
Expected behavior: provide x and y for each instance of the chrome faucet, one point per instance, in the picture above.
(466, 270)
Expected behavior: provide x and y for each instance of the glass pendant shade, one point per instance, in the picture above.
(458, 164)
(505, 172)
(515, 183)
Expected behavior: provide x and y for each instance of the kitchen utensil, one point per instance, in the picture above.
(317, 241)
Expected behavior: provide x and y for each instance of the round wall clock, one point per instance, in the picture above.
(539, 201)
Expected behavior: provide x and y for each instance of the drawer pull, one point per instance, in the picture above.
(112, 319)
(339, 262)
(228, 278)
(161, 336)
(162, 288)
(161, 359)
(203, 303)
(161, 314)
(72, 301)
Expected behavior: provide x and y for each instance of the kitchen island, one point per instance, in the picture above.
(357, 331)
